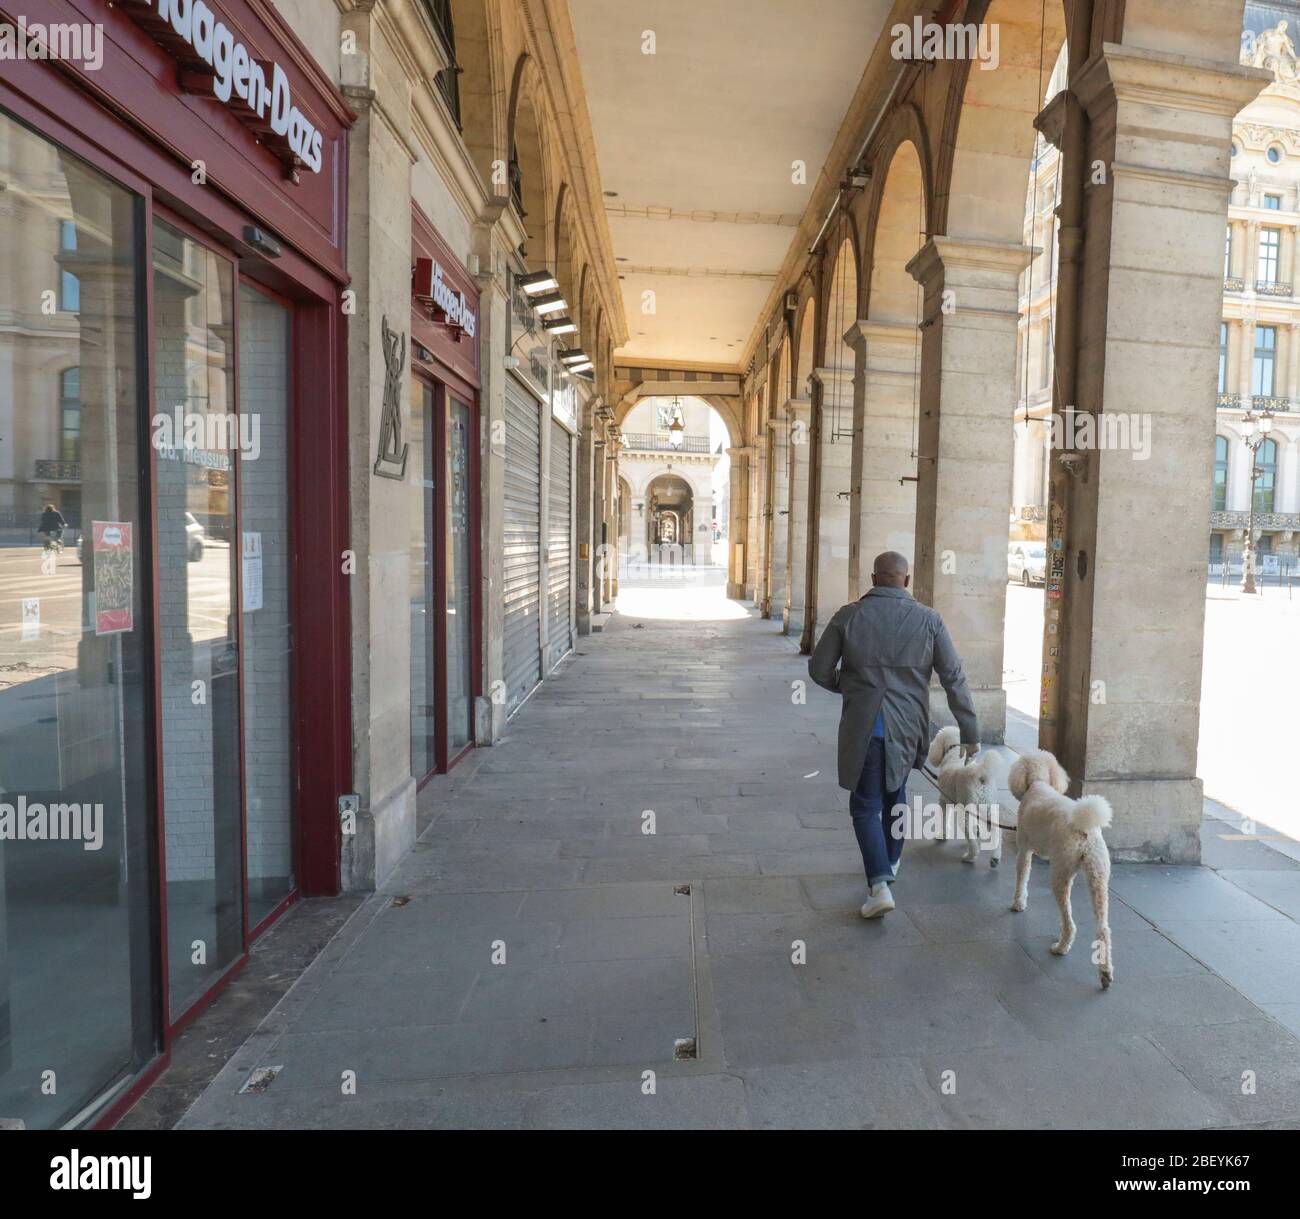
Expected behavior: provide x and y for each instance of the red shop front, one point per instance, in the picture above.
(174, 641)
(446, 617)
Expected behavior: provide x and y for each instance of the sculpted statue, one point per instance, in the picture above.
(1272, 49)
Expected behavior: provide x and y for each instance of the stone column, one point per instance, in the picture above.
(738, 523)
(965, 454)
(1130, 600)
(885, 407)
(588, 557)
(799, 413)
(779, 510)
(1247, 365)
(834, 493)
(755, 529)
(1250, 255)
(1292, 390)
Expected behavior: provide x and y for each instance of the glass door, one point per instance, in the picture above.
(459, 579)
(419, 472)
(265, 514)
(196, 435)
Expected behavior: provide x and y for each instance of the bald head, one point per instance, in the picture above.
(890, 570)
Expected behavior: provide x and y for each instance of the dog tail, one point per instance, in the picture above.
(943, 741)
(990, 767)
(1090, 813)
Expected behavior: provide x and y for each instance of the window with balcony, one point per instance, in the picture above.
(1220, 474)
(1263, 381)
(1223, 357)
(448, 79)
(1273, 202)
(1270, 249)
(1266, 463)
(1227, 253)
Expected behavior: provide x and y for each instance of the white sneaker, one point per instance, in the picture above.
(879, 901)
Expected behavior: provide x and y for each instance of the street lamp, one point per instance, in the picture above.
(1254, 431)
(676, 429)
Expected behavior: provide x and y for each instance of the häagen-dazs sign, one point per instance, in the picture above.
(256, 90)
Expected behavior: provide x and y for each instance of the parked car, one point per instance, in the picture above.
(194, 536)
(1027, 562)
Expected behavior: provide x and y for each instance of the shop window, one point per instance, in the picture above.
(199, 653)
(419, 467)
(266, 573)
(78, 977)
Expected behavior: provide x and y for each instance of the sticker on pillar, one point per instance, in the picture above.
(252, 574)
(31, 619)
(114, 576)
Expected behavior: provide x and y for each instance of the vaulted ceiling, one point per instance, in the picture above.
(700, 109)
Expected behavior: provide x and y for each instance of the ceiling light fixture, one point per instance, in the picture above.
(559, 325)
(571, 355)
(538, 282)
(552, 302)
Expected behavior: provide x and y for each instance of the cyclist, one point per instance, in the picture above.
(51, 527)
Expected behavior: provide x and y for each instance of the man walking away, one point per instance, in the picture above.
(878, 654)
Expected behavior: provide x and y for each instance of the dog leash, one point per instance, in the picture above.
(947, 799)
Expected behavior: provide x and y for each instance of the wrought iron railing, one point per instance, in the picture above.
(58, 471)
(662, 444)
(1239, 519)
(1232, 283)
(1272, 287)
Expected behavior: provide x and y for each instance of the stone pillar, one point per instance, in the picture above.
(799, 450)
(1129, 601)
(778, 512)
(588, 556)
(755, 531)
(965, 454)
(1247, 365)
(885, 411)
(738, 524)
(834, 493)
(1292, 390)
(1250, 255)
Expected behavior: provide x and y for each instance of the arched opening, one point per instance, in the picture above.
(527, 164)
(798, 465)
(835, 430)
(891, 361)
(677, 507)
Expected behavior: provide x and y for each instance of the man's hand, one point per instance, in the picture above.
(969, 749)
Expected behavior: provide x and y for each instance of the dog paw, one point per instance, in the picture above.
(1061, 947)
(1017, 906)
(1107, 977)
(993, 863)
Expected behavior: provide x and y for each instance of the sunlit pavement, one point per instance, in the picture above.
(1249, 683)
(540, 952)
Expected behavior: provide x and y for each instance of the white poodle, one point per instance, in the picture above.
(1068, 834)
(970, 788)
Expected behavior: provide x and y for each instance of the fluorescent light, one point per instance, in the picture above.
(551, 303)
(586, 364)
(538, 281)
(572, 355)
(559, 325)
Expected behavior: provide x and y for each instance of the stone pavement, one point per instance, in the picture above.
(538, 953)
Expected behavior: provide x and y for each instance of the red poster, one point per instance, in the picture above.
(113, 577)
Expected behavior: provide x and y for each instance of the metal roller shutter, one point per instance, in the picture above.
(522, 528)
(559, 558)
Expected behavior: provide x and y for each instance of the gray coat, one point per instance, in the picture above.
(880, 651)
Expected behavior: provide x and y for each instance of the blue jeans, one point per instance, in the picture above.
(878, 827)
